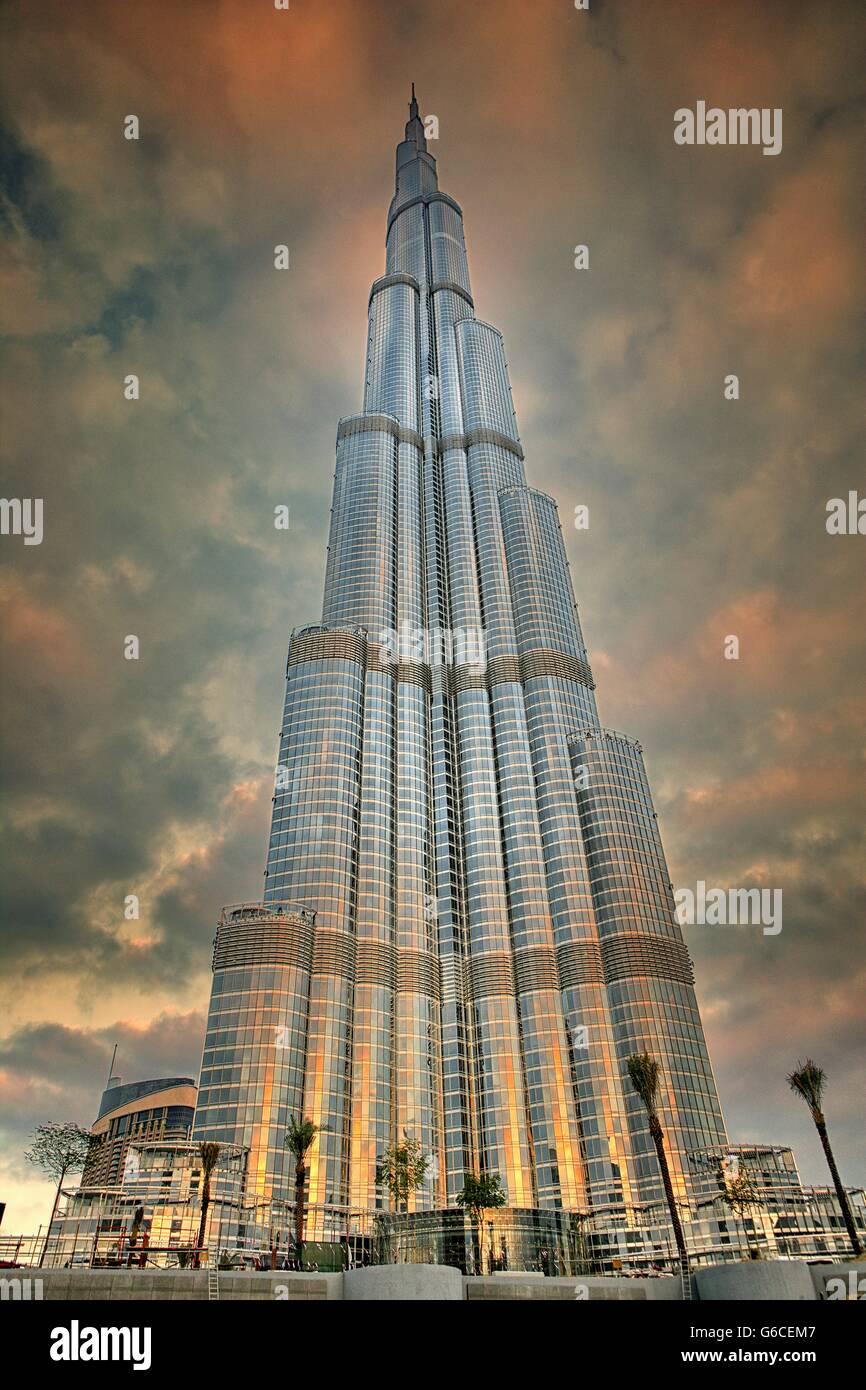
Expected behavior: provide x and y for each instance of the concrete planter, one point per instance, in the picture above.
(756, 1281)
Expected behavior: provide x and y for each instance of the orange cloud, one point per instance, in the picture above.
(41, 636)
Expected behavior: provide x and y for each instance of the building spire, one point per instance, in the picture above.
(415, 141)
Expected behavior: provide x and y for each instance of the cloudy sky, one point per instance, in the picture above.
(707, 516)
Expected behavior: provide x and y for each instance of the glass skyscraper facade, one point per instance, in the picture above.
(467, 924)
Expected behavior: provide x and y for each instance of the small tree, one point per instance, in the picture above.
(808, 1082)
(740, 1195)
(299, 1140)
(643, 1071)
(402, 1168)
(58, 1149)
(209, 1154)
(481, 1192)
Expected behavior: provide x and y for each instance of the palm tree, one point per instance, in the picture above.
(643, 1073)
(300, 1139)
(209, 1154)
(808, 1081)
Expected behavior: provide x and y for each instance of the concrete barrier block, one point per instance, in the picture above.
(409, 1282)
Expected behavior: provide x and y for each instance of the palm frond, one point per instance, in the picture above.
(643, 1071)
(209, 1154)
(807, 1081)
(300, 1136)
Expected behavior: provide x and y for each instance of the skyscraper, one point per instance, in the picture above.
(467, 924)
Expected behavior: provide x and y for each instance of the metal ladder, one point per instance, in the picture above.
(213, 1275)
(686, 1280)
